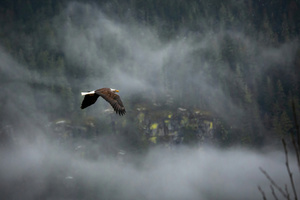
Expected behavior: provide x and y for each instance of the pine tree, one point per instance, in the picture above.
(280, 96)
(285, 30)
(286, 123)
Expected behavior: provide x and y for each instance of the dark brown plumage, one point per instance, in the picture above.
(108, 94)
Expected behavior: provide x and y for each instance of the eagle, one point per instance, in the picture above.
(108, 94)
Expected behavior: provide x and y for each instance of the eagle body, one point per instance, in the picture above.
(108, 94)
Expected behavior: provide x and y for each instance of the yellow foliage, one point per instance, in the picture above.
(141, 117)
(170, 116)
(154, 126)
(153, 139)
(210, 123)
(184, 120)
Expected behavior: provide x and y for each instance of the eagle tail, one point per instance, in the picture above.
(86, 93)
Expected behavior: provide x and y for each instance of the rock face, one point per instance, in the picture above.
(155, 126)
(152, 125)
(182, 126)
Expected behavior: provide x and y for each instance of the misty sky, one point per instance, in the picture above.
(39, 166)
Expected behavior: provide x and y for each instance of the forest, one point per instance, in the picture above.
(190, 74)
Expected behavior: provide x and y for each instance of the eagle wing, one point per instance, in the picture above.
(114, 100)
(88, 100)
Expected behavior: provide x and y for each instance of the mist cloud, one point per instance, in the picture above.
(133, 58)
(40, 168)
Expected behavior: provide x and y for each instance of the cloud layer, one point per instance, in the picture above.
(43, 169)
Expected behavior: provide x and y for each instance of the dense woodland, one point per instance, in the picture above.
(261, 84)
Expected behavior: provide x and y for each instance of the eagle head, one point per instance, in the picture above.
(114, 90)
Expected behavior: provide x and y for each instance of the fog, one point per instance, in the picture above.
(130, 57)
(41, 169)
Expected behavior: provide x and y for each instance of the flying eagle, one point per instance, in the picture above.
(108, 94)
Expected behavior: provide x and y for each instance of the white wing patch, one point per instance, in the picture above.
(86, 93)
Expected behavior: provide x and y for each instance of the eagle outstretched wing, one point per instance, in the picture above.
(106, 93)
(114, 100)
(89, 100)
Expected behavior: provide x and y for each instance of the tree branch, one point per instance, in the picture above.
(273, 192)
(262, 193)
(287, 192)
(273, 183)
(296, 144)
(288, 169)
